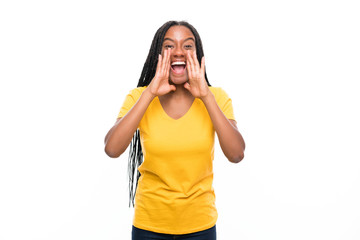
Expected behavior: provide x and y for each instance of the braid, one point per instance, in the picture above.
(147, 74)
(135, 160)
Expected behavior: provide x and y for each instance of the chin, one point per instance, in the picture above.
(178, 80)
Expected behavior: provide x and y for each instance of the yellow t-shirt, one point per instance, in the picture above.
(175, 193)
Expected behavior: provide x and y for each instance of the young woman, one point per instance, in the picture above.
(173, 115)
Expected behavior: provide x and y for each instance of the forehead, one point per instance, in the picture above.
(179, 33)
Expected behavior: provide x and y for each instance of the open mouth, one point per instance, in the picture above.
(178, 67)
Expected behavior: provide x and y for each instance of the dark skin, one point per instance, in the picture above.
(177, 41)
(176, 93)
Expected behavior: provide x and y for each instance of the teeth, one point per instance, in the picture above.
(178, 63)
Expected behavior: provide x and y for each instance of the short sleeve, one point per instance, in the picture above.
(225, 103)
(131, 98)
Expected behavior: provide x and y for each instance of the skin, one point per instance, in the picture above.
(176, 94)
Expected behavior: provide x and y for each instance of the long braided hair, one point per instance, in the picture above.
(147, 74)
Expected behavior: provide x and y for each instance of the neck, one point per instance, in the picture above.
(180, 90)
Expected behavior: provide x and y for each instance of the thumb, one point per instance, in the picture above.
(187, 86)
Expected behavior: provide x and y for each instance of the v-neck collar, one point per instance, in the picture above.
(178, 119)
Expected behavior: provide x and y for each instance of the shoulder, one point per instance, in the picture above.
(218, 92)
(136, 92)
(224, 101)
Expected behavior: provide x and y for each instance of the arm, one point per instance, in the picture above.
(119, 136)
(230, 139)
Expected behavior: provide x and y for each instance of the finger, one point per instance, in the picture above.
(188, 65)
(192, 63)
(196, 62)
(203, 66)
(163, 61)
(191, 60)
(168, 62)
(187, 86)
(158, 67)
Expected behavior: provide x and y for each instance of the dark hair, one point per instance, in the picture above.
(147, 74)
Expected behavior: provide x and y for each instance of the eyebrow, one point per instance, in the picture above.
(189, 38)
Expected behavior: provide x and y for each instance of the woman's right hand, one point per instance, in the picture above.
(160, 85)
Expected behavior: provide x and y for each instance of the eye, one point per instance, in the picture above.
(169, 46)
(188, 46)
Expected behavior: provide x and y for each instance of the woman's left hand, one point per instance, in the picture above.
(197, 84)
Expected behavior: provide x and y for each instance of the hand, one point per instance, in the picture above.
(160, 85)
(197, 84)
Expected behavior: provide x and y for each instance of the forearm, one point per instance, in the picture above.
(120, 135)
(230, 139)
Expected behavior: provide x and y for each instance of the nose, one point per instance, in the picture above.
(178, 52)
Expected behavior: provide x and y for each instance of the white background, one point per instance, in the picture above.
(290, 67)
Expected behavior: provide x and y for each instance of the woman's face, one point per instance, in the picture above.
(180, 39)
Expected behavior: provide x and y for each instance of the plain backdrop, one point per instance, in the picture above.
(291, 69)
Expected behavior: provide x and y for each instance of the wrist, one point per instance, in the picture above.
(208, 97)
(148, 95)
